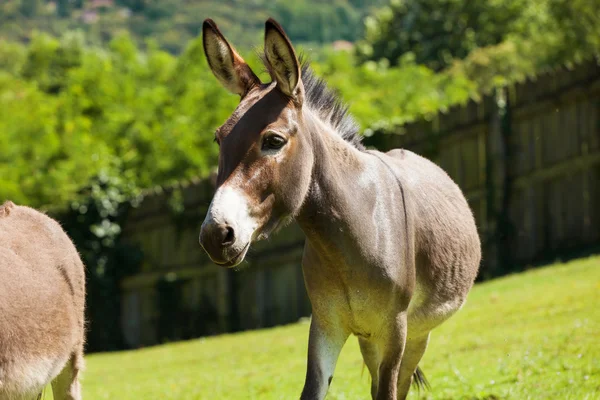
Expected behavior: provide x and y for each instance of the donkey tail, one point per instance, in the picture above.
(419, 380)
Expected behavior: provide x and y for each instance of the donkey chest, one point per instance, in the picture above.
(361, 302)
(366, 310)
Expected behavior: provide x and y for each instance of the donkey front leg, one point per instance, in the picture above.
(324, 345)
(392, 349)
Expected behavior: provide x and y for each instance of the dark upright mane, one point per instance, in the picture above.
(329, 107)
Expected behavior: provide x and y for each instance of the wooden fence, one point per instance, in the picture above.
(527, 158)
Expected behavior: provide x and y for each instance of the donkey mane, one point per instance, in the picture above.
(327, 104)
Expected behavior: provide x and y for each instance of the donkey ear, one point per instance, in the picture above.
(225, 63)
(285, 67)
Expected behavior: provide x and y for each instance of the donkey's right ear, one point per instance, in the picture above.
(225, 63)
(284, 66)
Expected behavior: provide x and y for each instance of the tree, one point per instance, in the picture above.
(578, 24)
(30, 8)
(437, 31)
(64, 7)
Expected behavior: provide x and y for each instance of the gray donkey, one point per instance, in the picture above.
(391, 245)
(42, 296)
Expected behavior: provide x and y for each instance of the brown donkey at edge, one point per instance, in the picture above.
(42, 296)
(391, 245)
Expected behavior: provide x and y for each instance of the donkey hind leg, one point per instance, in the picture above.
(409, 372)
(66, 385)
(371, 358)
(422, 320)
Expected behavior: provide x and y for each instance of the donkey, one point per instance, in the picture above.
(42, 295)
(391, 245)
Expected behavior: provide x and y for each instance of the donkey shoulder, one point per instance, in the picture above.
(23, 219)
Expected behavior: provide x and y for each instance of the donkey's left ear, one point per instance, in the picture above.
(225, 63)
(285, 67)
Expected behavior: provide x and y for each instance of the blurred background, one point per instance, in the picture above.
(107, 114)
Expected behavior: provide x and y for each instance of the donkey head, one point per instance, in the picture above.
(265, 160)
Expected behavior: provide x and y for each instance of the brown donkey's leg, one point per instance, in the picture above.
(66, 385)
(414, 350)
(324, 347)
(392, 350)
(369, 353)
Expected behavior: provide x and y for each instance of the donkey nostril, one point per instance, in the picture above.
(229, 236)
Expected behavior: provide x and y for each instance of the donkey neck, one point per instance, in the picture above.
(337, 210)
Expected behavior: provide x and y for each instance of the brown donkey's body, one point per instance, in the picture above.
(42, 295)
(392, 249)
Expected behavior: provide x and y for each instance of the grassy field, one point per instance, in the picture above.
(534, 335)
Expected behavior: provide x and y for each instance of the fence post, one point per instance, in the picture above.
(496, 242)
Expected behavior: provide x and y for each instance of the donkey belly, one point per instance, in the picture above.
(370, 310)
(25, 376)
(447, 247)
(445, 272)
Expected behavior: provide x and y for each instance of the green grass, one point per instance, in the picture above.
(534, 335)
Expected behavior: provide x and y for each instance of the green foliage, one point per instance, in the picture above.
(94, 224)
(439, 32)
(70, 113)
(379, 95)
(30, 8)
(64, 8)
(494, 66)
(172, 23)
(549, 33)
(481, 44)
(571, 32)
(515, 338)
(330, 21)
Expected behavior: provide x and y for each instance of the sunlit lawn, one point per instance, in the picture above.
(534, 335)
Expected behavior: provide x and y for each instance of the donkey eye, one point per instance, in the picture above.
(273, 142)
